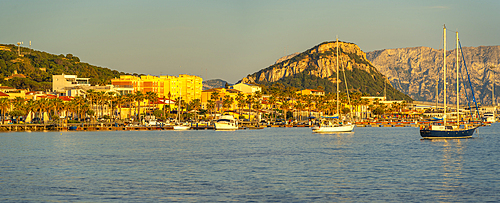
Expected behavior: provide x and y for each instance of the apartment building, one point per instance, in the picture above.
(187, 86)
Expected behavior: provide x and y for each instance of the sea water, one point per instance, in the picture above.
(267, 165)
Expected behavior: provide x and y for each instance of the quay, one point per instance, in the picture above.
(122, 127)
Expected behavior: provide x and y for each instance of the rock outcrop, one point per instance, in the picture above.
(319, 63)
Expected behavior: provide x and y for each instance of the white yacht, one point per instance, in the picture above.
(489, 117)
(226, 122)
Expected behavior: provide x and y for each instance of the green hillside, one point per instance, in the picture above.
(38, 67)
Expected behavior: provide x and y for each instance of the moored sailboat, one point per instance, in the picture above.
(448, 130)
(326, 125)
(178, 125)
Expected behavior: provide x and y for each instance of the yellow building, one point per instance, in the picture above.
(187, 86)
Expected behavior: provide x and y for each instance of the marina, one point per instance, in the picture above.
(272, 164)
(243, 126)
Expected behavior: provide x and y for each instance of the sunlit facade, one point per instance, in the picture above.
(187, 86)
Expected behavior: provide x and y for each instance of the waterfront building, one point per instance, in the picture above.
(207, 95)
(311, 92)
(187, 86)
(246, 88)
(12, 92)
(68, 85)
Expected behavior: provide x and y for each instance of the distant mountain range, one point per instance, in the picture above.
(214, 83)
(415, 71)
(410, 71)
(317, 67)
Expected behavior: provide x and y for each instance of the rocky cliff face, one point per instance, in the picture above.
(317, 68)
(319, 61)
(416, 71)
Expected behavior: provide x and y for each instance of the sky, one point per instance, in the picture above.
(230, 39)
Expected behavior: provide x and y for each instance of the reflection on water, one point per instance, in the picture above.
(269, 165)
(452, 163)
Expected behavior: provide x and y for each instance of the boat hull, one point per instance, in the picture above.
(225, 126)
(446, 134)
(181, 127)
(328, 129)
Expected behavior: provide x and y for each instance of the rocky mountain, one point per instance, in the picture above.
(214, 83)
(415, 71)
(317, 67)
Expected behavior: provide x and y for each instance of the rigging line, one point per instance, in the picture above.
(468, 76)
(347, 90)
(465, 90)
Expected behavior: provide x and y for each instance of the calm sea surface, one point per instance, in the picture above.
(269, 165)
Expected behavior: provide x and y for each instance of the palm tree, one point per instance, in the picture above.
(4, 105)
(249, 101)
(272, 102)
(285, 106)
(240, 98)
(18, 106)
(195, 105)
(119, 100)
(152, 97)
(215, 96)
(169, 99)
(30, 107)
(211, 106)
(139, 97)
(299, 106)
(227, 102)
(79, 104)
(129, 99)
(56, 105)
(111, 101)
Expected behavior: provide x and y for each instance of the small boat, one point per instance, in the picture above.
(226, 122)
(181, 127)
(327, 126)
(72, 127)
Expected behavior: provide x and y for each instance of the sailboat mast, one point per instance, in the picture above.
(179, 107)
(337, 75)
(444, 71)
(458, 89)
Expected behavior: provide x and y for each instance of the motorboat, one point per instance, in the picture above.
(226, 122)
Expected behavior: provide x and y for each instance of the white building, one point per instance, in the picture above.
(246, 88)
(63, 83)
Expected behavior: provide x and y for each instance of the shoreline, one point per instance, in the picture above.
(121, 127)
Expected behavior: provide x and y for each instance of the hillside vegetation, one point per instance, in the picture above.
(38, 67)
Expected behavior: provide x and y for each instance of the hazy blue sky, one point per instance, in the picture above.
(231, 39)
